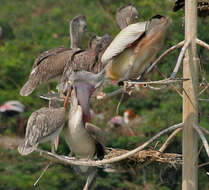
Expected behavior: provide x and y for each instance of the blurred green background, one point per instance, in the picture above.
(33, 26)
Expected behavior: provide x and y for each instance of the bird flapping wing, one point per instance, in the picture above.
(123, 40)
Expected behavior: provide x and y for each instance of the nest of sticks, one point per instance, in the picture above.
(143, 158)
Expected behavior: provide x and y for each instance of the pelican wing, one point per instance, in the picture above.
(96, 133)
(48, 53)
(124, 39)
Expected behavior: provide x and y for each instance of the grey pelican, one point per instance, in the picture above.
(43, 125)
(84, 140)
(134, 48)
(50, 64)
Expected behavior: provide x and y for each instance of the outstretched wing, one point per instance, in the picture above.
(124, 39)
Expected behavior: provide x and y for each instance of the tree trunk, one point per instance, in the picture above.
(190, 103)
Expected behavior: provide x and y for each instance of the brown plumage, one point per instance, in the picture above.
(43, 125)
(134, 48)
(49, 66)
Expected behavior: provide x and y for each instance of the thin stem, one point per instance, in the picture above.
(180, 58)
(203, 44)
(169, 139)
(172, 86)
(180, 44)
(204, 140)
(67, 160)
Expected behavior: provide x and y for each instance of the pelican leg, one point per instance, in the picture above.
(53, 147)
(90, 179)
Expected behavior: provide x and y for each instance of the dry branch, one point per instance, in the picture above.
(203, 44)
(204, 130)
(180, 58)
(169, 139)
(204, 89)
(180, 44)
(204, 140)
(69, 160)
(159, 82)
(172, 86)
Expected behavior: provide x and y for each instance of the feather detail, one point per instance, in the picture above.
(123, 40)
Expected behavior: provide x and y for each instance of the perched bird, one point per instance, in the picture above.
(43, 125)
(50, 64)
(11, 108)
(134, 48)
(120, 125)
(88, 60)
(84, 140)
(125, 15)
(202, 7)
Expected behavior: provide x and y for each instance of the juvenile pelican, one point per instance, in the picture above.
(125, 15)
(49, 66)
(134, 48)
(84, 140)
(43, 125)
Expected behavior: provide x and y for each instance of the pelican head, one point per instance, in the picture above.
(126, 15)
(78, 26)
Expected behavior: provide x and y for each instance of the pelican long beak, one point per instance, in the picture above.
(84, 92)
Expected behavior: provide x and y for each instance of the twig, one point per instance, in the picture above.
(204, 164)
(172, 86)
(67, 160)
(204, 89)
(203, 44)
(159, 82)
(169, 139)
(42, 173)
(156, 88)
(111, 94)
(204, 130)
(180, 44)
(202, 99)
(180, 58)
(119, 103)
(204, 140)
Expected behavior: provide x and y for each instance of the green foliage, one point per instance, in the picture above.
(31, 27)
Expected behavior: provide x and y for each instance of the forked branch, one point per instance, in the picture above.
(180, 44)
(67, 160)
(180, 58)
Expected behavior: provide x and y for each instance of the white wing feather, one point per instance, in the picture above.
(126, 37)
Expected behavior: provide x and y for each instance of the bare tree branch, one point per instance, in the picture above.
(204, 140)
(204, 89)
(69, 160)
(156, 88)
(204, 130)
(172, 86)
(169, 139)
(203, 44)
(180, 58)
(159, 82)
(180, 44)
